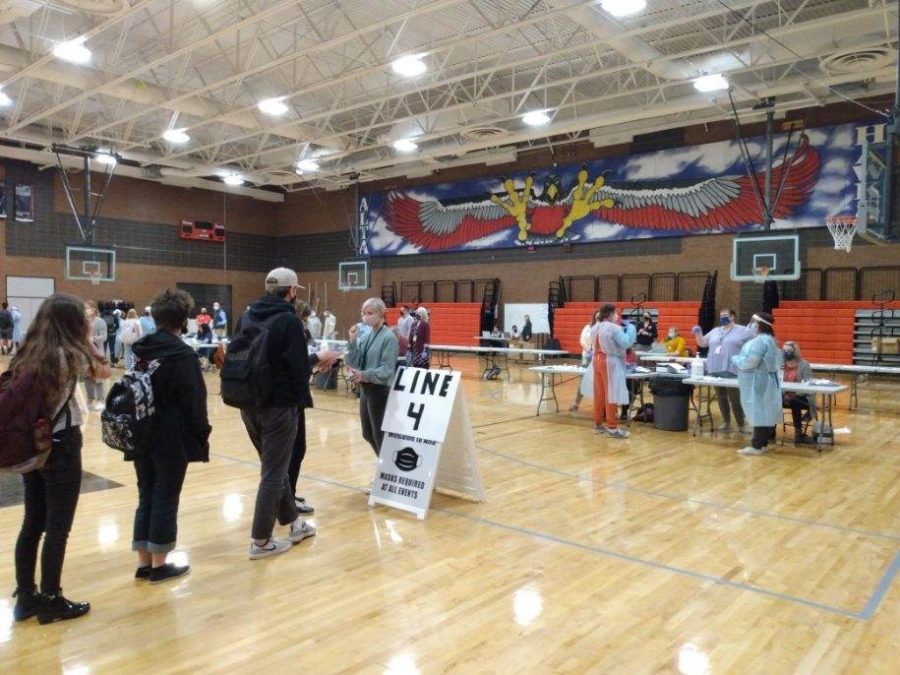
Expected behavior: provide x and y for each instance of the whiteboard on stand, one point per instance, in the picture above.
(514, 315)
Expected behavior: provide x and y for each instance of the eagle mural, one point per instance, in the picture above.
(721, 203)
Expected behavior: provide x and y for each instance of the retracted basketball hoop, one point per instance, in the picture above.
(842, 228)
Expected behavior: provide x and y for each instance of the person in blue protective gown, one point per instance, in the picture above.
(758, 364)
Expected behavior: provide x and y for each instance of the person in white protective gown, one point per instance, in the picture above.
(610, 341)
(586, 387)
(758, 364)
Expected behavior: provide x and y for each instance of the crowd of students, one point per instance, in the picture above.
(65, 344)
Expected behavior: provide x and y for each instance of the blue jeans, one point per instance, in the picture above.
(160, 479)
(51, 495)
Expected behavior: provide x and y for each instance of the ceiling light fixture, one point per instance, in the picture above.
(536, 118)
(73, 51)
(233, 180)
(178, 136)
(273, 106)
(307, 165)
(5, 101)
(709, 83)
(104, 157)
(405, 145)
(621, 8)
(409, 66)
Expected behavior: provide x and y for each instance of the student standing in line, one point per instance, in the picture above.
(419, 339)
(56, 351)
(272, 425)
(6, 329)
(132, 331)
(182, 434)
(220, 321)
(17, 326)
(95, 397)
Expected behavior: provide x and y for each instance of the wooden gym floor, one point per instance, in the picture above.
(662, 553)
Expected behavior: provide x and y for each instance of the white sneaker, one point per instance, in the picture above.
(617, 433)
(272, 547)
(301, 531)
(98, 406)
(723, 427)
(750, 451)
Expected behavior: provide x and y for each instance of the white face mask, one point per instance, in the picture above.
(671, 333)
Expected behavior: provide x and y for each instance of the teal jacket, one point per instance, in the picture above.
(379, 349)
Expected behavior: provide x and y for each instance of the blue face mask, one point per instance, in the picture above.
(789, 354)
(724, 320)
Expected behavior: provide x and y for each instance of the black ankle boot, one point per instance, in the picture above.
(26, 603)
(56, 608)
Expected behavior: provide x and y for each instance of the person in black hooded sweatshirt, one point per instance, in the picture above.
(182, 432)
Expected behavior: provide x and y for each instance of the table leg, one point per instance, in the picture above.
(547, 393)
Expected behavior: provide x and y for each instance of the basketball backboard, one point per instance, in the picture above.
(353, 275)
(90, 263)
(778, 256)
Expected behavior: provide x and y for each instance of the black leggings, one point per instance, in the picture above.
(298, 452)
(51, 495)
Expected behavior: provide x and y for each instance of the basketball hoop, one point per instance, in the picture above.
(760, 273)
(95, 278)
(842, 228)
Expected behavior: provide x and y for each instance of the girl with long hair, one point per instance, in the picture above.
(56, 351)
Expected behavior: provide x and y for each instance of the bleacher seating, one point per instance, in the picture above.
(569, 320)
(822, 328)
(452, 323)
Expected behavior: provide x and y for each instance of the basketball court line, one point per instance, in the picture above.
(868, 611)
(691, 500)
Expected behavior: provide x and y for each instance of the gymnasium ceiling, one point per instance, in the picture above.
(204, 65)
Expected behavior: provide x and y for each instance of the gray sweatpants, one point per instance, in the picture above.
(272, 431)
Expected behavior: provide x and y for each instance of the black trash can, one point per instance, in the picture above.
(671, 398)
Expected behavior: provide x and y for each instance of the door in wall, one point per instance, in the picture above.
(206, 294)
(27, 293)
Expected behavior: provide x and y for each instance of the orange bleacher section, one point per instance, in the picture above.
(823, 329)
(569, 320)
(452, 323)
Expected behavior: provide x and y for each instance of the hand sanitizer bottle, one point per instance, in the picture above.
(697, 367)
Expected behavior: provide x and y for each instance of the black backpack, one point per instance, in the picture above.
(128, 422)
(111, 327)
(247, 372)
(6, 319)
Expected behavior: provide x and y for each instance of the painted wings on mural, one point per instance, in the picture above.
(720, 203)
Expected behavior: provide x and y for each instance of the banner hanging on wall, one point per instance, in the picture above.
(24, 204)
(683, 191)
